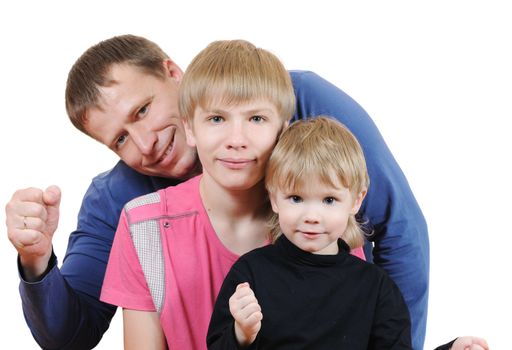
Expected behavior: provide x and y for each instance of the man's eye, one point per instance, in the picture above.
(121, 140)
(329, 200)
(143, 111)
(295, 199)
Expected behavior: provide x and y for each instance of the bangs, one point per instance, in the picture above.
(296, 176)
(234, 72)
(239, 85)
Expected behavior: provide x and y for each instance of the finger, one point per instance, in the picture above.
(239, 303)
(16, 212)
(30, 194)
(26, 238)
(31, 223)
(251, 322)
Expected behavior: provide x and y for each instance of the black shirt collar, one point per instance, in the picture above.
(290, 250)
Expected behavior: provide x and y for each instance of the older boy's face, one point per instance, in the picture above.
(139, 120)
(234, 142)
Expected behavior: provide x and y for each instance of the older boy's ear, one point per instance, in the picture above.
(358, 201)
(189, 134)
(172, 70)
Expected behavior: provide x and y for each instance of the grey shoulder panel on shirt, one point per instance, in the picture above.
(148, 244)
(150, 198)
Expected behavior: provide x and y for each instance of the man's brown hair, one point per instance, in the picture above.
(91, 71)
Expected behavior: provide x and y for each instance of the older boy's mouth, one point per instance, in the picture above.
(236, 163)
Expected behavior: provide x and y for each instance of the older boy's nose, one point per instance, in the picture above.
(237, 136)
(144, 138)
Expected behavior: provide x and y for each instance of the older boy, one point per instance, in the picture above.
(123, 92)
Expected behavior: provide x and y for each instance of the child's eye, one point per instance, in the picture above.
(295, 199)
(216, 119)
(257, 118)
(329, 200)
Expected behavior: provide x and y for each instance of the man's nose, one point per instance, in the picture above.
(143, 137)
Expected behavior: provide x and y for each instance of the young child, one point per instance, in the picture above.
(306, 291)
(173, 248)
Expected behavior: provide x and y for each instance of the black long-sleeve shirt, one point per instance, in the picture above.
(314, 301)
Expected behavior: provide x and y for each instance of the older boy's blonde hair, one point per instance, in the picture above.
(320, 147)
(235, 71)
(92, 71)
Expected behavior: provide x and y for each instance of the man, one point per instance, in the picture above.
(124, 93)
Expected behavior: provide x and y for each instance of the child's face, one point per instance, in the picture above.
(234, 142)
(315, 217)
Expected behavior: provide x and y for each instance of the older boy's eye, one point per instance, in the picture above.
(329, 200)
(295, 199)
(216, 119)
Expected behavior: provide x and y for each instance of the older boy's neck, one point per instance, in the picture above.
(235, 204)
(238, 217)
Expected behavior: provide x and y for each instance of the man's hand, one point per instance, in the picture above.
(32, 216)
(246, 311)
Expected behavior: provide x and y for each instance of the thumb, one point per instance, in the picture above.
(51, 198)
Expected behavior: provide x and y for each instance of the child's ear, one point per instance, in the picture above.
(189, 133)
(358, 201)
(275, 209)
(172, 70)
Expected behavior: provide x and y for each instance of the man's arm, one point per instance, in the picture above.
(62, 308)
(60, 317)
(400, 231)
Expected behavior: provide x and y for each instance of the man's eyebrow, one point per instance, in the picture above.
(133, 110)
(136, 107)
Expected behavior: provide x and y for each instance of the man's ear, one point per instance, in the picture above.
(172, 70)
(189, 133)
(358, 201)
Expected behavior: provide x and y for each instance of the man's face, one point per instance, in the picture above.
(138, 119)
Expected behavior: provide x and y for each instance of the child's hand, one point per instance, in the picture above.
(470, 343)
(247, 314)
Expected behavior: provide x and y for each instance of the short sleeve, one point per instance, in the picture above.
(125, 284)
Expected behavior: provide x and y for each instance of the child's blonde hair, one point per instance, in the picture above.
(235, 71)
(320, 147)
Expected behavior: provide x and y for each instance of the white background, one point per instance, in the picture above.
(435, 76)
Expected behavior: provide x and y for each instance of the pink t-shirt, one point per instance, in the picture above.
(195, 262)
